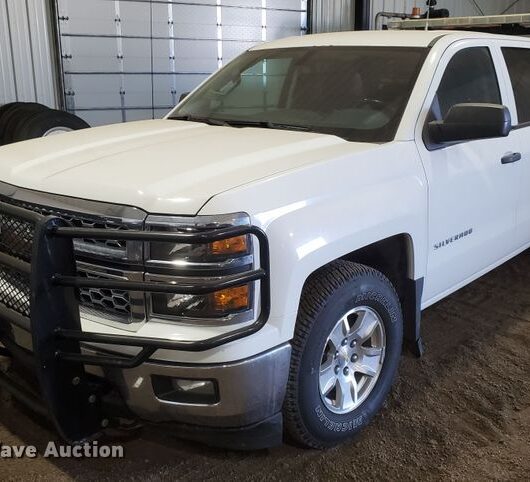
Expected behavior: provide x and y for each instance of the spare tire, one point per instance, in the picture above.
(8, 106)
(46, 123)
(3, 109)
(15, 114)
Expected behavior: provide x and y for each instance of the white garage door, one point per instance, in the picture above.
(132, 59)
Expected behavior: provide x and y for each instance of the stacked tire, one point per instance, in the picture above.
(20, 121)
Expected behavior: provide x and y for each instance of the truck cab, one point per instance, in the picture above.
(255, 262)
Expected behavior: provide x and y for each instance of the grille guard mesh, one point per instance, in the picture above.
(15, 290)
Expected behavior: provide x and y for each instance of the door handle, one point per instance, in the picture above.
(511, 158)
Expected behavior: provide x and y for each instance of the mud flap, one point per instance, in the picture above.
(412, 317)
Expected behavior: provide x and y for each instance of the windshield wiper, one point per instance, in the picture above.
(266, 124)
(204, 120)
(241, 123)
(290, 127)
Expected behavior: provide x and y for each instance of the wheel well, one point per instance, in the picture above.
(393, 257)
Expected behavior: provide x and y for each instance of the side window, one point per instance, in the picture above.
(518, 62)
(470, 77)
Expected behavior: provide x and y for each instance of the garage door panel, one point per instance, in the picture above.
(196, 57)
(100, 117)
(287, 21)
(95, 17)
(137, 90)
(138, 114)
(242, 3)
(282, 32)
(241, 24)
(160, 20)
(163, 87)
(92, 55)
(133, 17)
(242, 32)
(188, 21)
(162, 51)
(159, 113)
(190, 56)
(287, 4)
(199, 2)
(233, 49)
(140, 56)
(136, 55)
(97, 91)
(195, 22)
(283, 24)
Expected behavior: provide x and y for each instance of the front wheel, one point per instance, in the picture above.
(346, 352)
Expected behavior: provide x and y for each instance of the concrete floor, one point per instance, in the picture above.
(462, 412)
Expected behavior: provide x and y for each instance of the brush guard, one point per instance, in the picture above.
(68, 395)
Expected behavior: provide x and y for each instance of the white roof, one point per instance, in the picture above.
(374, 38)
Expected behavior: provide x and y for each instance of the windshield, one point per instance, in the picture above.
(358, 93)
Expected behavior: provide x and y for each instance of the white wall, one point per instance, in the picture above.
(457, 8)
(26, 62)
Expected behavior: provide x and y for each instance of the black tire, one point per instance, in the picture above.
(38, 124)
(14, 116)
(328, 295)
(3, 109)
(6, 107)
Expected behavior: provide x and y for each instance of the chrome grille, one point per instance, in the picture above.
(116, 302)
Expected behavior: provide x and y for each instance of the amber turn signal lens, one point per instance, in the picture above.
(236, 245)
(232, 299)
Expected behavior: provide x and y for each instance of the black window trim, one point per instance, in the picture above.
(523, 125)
(519, 125)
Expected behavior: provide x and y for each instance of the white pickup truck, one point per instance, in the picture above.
(252, 264)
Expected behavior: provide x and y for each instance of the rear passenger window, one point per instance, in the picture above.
(470, 77)
(518, 62)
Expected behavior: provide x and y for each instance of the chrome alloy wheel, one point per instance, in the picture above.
(352, 360)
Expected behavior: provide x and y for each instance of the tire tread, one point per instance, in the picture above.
(317, 290)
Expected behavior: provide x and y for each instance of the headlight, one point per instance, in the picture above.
(195, 256)
(220, 304)
(220, 256)
(165, 260)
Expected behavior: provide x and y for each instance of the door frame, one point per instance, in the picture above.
(507, 98)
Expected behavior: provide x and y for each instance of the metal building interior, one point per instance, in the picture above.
(113, 61)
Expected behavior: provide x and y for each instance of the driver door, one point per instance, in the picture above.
(472, 195)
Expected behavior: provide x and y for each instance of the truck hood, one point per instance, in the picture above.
(162, 166)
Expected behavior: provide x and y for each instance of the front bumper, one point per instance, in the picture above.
(249, 391)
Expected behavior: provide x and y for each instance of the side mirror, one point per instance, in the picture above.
(183, 96)
(465, 122)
